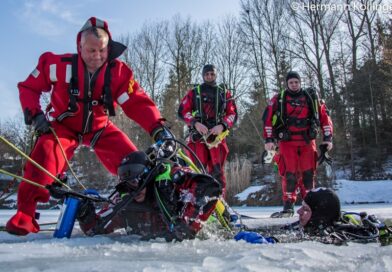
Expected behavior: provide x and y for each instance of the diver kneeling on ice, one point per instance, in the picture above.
(156, 197)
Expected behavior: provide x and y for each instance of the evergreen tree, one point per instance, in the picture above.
(248, 136)
(179, 84)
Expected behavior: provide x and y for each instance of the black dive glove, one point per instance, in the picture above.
(324, 156)
(41, 124)
(56, 189)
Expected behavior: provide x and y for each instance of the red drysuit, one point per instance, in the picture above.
(78, 116)
(295, 129)
(214, 106)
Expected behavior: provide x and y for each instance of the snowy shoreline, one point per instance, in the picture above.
(116, 252)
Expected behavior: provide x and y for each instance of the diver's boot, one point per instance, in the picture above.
(288, 211)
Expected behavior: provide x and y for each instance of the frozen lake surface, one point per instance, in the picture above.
(119, 252)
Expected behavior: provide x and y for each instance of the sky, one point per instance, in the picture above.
(119, 252)
(31, 27)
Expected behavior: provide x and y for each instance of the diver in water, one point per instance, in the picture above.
(321, 219)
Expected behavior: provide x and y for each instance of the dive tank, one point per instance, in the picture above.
(67, 218)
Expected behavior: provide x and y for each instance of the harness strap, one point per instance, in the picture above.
(94, 102)
(107, 93)
(298, 122)
(220, 103)
(220, 97)
(302, 132)
(197, 113)
(285, 135)
(73, 90)
(314, 102)
(281, 121)
(281, 114)
(96, 136)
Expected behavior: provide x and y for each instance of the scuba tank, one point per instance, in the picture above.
(67, 218)
(68, 214)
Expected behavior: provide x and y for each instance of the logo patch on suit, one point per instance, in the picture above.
(133, 85)
(123, 98)
(35, 73)
(75, 92)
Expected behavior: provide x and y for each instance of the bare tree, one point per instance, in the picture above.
(21, 137)
(370, 46)
(230, 55)
(208, 43)
(370, 16)
(329, 21)
(184, 44)
(355, 20)
(147, 55)
(185, 53)
(18, 134)
(252, 39)
(275, 27)
(306, 42)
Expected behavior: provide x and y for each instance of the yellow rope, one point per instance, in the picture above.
(22, 178)
(188, 161)
(218, 139)
(20, 152)
(65, 158)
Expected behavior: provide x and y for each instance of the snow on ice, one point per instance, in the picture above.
(119, 252)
